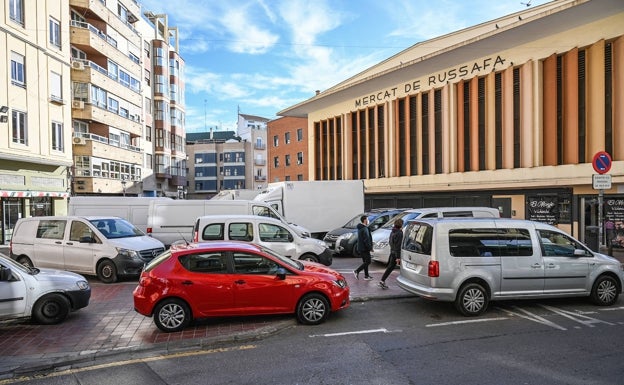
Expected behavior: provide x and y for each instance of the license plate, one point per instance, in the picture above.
(409, 265)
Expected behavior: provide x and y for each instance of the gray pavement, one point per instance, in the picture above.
(109, 330)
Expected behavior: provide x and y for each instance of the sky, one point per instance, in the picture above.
(258, 57)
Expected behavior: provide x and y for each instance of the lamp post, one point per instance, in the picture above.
(123, 186)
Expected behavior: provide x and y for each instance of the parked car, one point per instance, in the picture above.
(216, 279)
(264, 231)
(108, 247)
(45, 295)
(342, 240)
(472, 261)
(381, 236)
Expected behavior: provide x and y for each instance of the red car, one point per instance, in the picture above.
(219, 279)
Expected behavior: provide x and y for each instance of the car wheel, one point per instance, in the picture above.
(308, 257)
(24, 260)
(605, 291)
(472, 300)
(312, 309)
(172, 315)
(51, 309)
(107, 271)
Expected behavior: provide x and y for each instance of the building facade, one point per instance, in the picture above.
(35, 110)
(508, 114)
(287, 149)
(253, 129)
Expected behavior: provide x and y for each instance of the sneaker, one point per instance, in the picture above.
(356, 274)
(382, 285)
(369, 278)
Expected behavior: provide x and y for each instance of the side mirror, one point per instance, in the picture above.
(5, 274)
(579, 253)
(281, 273)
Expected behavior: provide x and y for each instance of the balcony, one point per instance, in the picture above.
(259, 146)
(86, 71)
(260, 162)
(98, 146)
(260, 178)
(95, 42)
(99, 113)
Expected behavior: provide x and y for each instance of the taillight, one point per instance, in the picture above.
(434, 269)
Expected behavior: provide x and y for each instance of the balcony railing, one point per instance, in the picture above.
(101, 139)
(103, 36)
(103, 71)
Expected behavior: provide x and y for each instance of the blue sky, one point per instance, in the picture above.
(265, 55)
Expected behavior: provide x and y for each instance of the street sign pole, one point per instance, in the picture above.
(602, 164)
(600, 221)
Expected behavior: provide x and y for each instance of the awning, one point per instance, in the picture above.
(32, 194)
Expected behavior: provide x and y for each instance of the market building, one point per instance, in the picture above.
(510, 113)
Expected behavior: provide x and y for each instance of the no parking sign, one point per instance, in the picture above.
(602, 162)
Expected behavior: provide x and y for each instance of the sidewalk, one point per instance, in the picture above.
(109, 329)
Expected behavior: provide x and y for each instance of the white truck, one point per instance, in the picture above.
(319, 206)
(247, 194)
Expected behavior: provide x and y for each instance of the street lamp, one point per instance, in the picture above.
(123, 185)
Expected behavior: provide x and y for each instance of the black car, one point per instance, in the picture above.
(343, 239)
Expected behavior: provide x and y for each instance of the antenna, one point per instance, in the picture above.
(528, 3)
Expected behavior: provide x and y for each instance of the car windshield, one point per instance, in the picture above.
(113, 228)
(11, 264)
(285, 260)
(406, 216)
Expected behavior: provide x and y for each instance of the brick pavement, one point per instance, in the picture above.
(109, 326)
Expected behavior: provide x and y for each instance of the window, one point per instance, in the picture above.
(287, 138)
(57, 136)
(273, 233)
(148, 77)
(149, 161)
(78, 231)
(16, 11)
(287, 160)
(490, 242)
(245, 263)
(555, 244)
(300, 158)
(213, 232)
(215, 263)
(55, 32)
(20, 127)
(240, 232)
(275, 141)
(275, 162)
(18, 72)
(148, 133)
(51, 229)
(299, 134)
(56, 88)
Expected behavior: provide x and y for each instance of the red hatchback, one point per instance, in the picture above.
(219, 279)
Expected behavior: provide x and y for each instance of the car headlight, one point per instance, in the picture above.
(83, 285)
(126, 253)
(344, 237)
(341, 283)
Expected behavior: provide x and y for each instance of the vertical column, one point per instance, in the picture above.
(490, 122)
(618, 99)
(570, 97)
(528, 141)
(508, 118)
(459, 103)
(595, 112)
(474, 125)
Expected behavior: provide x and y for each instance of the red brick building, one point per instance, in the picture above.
(287, 140)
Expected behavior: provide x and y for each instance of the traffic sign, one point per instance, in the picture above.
(601, 182)
(602, 162)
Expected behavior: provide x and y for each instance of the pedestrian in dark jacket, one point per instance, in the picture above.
(395, 241)
(364, 246)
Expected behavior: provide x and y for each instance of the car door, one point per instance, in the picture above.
(207, 284)
(257, 290)
(522, 268)
(49, 243)
(564, 271)
(13, 295)
(80, 256)
(277, 238)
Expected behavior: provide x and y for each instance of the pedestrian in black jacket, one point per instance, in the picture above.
(395, 241)
(364, 246)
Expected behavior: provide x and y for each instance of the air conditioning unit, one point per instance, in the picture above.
(79, 140)
(78, 104)
(78, 65)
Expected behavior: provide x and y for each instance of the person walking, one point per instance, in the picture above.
(364, 246)
(396, 238)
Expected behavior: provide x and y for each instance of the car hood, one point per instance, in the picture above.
(313, 267)
(381, 235)
(137, 243)
(54, 275)
(341, 230)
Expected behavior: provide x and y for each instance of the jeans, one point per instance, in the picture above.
(391, 265)
(366, 260)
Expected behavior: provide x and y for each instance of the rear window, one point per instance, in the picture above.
(213, 232)
(417, 238)
(51, 229)
(490, 242)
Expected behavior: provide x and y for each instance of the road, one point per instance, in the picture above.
(401, 341)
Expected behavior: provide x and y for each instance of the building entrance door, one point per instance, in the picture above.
(11, 212)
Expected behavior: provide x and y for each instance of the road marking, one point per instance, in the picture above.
(127, 362)
(370, 331)
(612, 308)
(532, 317)
(582, 319)
(466, 322)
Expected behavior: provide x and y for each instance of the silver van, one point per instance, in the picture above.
(264, 231)
(108, 247)
(381, 236)
(471, 261)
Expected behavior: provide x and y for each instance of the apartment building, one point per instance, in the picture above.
(287, 149)
(127, 101)
(35, 110)
(510, 113)
(253, 129)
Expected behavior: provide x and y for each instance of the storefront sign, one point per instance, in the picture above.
(543, 209)
(614, 221)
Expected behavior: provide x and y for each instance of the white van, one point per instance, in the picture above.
(132, 209)
(108, 247)
(171, 221)
(45, 295)
(381, 236)
(267, 232)
(471, 261)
